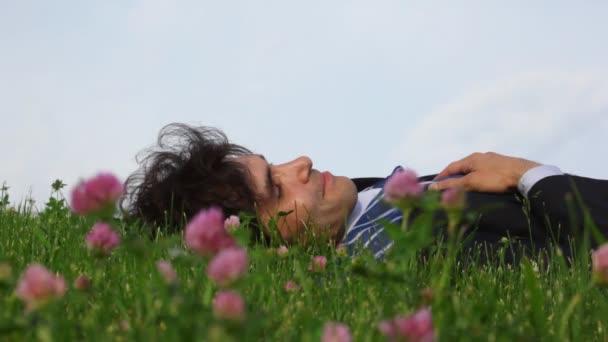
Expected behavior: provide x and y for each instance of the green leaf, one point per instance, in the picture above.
(535, 298)
(41, 236)
(283, 213)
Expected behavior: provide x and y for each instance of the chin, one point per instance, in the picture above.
(350, 193)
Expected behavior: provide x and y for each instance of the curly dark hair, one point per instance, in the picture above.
(190, 168)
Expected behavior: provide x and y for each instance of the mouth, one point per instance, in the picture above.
(327, 177)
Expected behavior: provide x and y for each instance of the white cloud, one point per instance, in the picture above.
(539, 115)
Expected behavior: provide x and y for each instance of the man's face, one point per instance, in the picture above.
(318, 201)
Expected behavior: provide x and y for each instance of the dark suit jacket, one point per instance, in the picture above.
(545, 217)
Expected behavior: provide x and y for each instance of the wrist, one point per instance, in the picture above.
(523, 167)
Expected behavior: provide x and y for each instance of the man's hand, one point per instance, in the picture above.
(484, 172)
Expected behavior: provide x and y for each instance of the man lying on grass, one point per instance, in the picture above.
(193, 168)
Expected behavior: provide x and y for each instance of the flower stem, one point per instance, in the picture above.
(405, 219)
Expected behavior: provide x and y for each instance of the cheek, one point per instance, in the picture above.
(288, 229)
(293, 225)
(288, 225)
(303, 204)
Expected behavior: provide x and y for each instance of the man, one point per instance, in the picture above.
(194, 168)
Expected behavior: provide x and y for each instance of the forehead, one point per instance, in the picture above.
(252, 160)
(257, 167)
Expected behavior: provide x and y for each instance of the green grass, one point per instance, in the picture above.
(535, 300)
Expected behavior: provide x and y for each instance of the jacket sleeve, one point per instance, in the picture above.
(554, 200)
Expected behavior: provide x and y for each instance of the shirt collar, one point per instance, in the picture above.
(364, 198)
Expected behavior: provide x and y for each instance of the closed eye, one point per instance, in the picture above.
(274, 191)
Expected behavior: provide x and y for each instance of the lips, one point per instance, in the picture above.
(327, 177)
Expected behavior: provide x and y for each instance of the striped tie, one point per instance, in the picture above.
(368, 232)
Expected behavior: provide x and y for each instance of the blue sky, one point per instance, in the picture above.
(359, 86)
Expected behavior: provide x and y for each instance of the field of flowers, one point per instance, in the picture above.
(79, 273)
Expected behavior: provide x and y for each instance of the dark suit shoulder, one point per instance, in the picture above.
(366, 182)
(426, 178)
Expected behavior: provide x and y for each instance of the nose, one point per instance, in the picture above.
(299, 167)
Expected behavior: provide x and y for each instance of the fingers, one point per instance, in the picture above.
(462, 182)
(463, 166)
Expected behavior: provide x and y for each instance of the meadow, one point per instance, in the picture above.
(126, 296)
